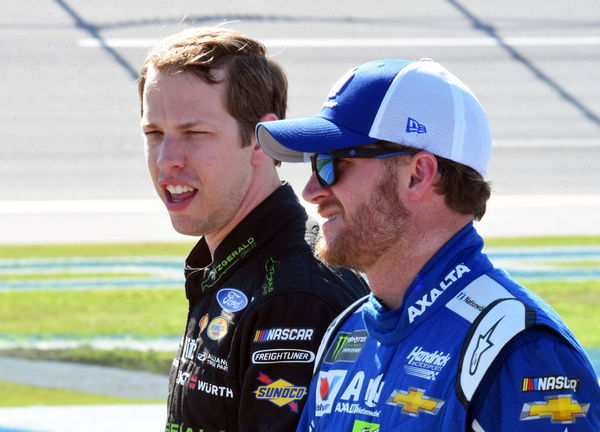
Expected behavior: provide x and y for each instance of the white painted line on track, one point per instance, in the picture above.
(565, 143)
(449, 42)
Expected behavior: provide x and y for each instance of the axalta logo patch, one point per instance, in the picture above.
(347, 346)
(279, 392)
(284, 334)
(231, 299)
(558, 409)
(429, 298)
(550, 383)
(217, 329)
(425, 364)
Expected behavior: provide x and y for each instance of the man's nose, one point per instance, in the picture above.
(313, 192)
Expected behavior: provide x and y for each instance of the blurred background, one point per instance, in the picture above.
(73, 174)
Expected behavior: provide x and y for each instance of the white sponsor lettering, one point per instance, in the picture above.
(425, 364)
(293, 334)
(429, 298)
(283, 356)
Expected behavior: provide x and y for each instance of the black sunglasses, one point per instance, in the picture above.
(325, 167)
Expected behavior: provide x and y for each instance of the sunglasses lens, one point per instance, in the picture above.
(324, 169)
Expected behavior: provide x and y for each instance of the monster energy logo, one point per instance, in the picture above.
(346, 347)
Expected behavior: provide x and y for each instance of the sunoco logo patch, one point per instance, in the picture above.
(279, 392)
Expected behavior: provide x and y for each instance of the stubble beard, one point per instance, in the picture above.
(370, 232)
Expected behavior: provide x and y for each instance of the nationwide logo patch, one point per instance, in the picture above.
(279, 392)
(363, 426)
(346, 347)
(414, 402)
(217, 328)
(559, 409)
(550, 383)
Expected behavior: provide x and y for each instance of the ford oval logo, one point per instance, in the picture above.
(231, 299)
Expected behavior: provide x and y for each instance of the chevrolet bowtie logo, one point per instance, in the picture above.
(559, 409)
(414, 401)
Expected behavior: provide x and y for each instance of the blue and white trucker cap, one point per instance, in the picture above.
(414, 103)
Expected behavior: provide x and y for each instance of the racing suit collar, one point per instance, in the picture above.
(452, 267)
(270, 218)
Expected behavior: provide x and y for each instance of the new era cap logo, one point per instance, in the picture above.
(414, 126)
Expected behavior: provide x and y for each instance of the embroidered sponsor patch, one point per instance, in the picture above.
(413, 402)
(346, 347)
(213, 361)
(203, 323)
(284, 334)
(550, 383)
(328, 386)
(231, 299)
(217, 328)
(197, 384)
(363, 426)
(279, 392)
(283, 356)
(560, 409)
(425, 364)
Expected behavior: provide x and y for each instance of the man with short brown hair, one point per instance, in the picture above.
(259, 301)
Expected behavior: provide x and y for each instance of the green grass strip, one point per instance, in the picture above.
(183, 248)
(577, 303)
(154, 313)
(542, 241)
(574, 264)
(16, 394)
(96, 250)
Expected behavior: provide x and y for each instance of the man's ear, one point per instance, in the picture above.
(423, 174)
(257, 153)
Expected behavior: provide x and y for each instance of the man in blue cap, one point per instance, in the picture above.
(445, 341)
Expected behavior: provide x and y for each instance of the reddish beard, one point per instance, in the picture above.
(370, 231)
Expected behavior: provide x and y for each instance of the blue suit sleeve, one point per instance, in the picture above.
(538, 383)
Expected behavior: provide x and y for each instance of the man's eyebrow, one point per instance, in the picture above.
(186, 125)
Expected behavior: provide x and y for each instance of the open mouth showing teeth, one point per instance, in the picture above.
(179, 193)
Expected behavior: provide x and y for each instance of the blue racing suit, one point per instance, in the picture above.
(468, 350)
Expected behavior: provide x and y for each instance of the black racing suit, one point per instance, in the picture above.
(257, 313)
